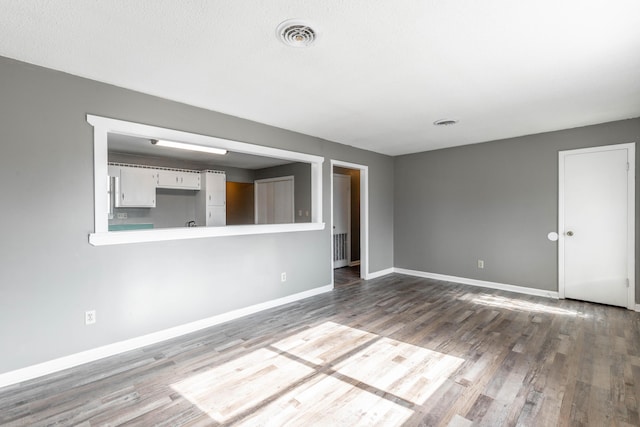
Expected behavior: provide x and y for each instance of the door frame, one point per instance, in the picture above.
(631, 205)
(364, 214)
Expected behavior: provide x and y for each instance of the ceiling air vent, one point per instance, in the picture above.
(296, 33)
(445, 122)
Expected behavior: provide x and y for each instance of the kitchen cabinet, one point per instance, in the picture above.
(211, 209)
(134, 187)
(181, 180)
(216, 215)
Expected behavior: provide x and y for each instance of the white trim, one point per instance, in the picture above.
(101, 180)
(631, 224)
(631, 215)
(560, 225)
(76, 359)
(147, 131)
(316, 193)
(364, 214)
(380, 273)
(102, 126)
(637, 308)
(278, 178)
(163, 234)
(479, 283)
(354, 263)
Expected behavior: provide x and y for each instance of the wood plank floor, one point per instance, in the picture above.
(392, 351)
(346, 276)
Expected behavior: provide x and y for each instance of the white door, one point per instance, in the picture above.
(274, 200)
(596, 225)
(341, 220)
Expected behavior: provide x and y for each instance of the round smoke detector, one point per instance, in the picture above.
(445, 122)
(296, 33)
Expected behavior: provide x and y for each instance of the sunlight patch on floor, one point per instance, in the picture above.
(407, 371)
(516, 304)
(324, 343)
(330, 401)
(238, 385)
(329, 374)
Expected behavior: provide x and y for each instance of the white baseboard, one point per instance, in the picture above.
(480, 283)
(354, 263)
(637, 307)
(49, 367)
(379, 273)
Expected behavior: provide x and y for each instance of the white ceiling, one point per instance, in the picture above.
(380, 73)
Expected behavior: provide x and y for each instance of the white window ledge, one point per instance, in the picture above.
(162, 234)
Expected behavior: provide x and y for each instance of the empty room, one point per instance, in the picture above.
(319, 213)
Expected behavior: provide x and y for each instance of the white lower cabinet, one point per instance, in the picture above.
(216, 215)
(211, 206)
(134, 187)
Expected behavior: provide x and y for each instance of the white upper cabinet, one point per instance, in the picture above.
(135, 187)
(181, 180)
(216, 188)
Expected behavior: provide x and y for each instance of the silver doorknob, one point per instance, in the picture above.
(569, 233)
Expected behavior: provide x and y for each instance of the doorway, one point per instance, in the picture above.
(349, 222)
(596, 225)
(341, 230)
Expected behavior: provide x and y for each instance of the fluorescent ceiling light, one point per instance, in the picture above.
(191, 147)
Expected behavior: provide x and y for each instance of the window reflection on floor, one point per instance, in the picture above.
(521, 305)
(330, 373)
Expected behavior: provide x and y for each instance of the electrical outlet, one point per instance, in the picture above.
(283, 277)
(480, 263)
(122, 215)
(89, 317)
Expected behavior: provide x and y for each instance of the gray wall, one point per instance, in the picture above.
(494, 201)
(50, 274)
